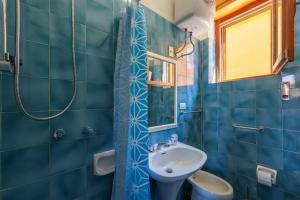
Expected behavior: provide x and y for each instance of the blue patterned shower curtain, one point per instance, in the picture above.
(131, 108)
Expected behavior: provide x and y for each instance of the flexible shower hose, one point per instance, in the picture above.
(17, 68)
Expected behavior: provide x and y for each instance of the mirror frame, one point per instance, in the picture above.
(154, 129)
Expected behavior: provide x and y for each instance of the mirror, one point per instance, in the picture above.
(162, 92)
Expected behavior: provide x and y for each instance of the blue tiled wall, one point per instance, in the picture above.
(161, 35)
(233, 153)
(33, 165)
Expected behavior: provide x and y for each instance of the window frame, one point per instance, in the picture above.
(244, 13)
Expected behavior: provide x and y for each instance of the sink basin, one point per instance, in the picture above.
(172, 165)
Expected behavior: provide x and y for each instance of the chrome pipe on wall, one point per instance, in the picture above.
(4, 4)
(297, 2)
(6, 59)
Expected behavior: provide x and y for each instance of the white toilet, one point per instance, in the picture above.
(207, 186)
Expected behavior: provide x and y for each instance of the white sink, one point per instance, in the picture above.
(172, 165)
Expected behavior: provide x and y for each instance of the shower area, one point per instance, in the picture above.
(57, 61)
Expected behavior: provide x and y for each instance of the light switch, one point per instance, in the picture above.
(171, 51)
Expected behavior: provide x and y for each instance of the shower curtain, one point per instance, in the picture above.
(130, 108)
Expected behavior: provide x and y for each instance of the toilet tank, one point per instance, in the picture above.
(195, 15)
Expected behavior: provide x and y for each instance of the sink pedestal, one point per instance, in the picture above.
(168, 191)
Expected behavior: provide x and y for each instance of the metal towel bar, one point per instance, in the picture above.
(187, 112)
(257, 129)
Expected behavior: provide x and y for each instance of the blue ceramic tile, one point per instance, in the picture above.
(294, 102)
(289, 196)
(268, 98)
(104, 194)
(210, 136)
(291, 161)
(296, 62)
(225, 87)
(248, 84)
(62, 8)
(41, 4)
(225, 99)
(271, 82)
(247, 151)
(35, 60)
(67, 155)
(68, 185)
(225, 116)
(24, 165)
(290, 182)
(62, 64)
(227, 161)
(61, 33)
(270, 138)
(34, 24)
(245, 135)
(246, 187)
(270, 157)
(62, 91)
(100, 10)
(100, 120)
(210, 114)
(270, 118)
(16, 129)
(35, 191)
(34, 93)
(291, 141)
(99, 70)
(98, 144)
(243, 99)
(291, 119)
(212, 163)
(227, 146)
(246, 168)
(99, 43)
(96, 182)
(210, 100)
(244, 116)
(72, 122)
(226, 131)
(268, 193)
(99, 96)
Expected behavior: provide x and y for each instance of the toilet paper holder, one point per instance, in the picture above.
(272, 172)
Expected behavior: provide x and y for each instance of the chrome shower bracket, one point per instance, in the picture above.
(8, 63)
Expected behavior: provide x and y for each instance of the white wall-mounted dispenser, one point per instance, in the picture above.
(104, 163)
(288, 82)
(194, 15)
(266, 176)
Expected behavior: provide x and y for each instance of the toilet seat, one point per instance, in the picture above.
(210, 186)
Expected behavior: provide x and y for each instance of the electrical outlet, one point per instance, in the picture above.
(182, 106)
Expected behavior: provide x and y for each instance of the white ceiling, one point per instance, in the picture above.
(164, 8)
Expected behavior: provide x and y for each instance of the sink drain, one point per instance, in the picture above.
(169, 170)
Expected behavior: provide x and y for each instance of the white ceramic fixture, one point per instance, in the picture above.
(104, 163)
(170, 166)
(210, 187)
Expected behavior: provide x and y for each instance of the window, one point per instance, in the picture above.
(253, 40)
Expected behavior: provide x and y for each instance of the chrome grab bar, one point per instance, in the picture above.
(257, 129)
(187, 112)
